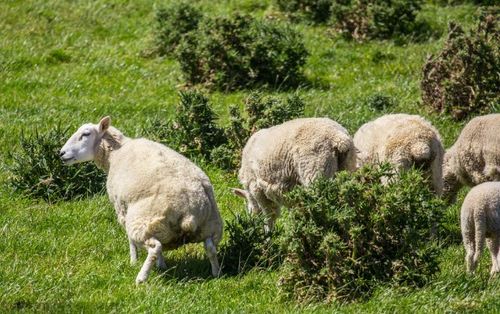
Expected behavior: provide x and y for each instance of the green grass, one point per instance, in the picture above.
(72, 62)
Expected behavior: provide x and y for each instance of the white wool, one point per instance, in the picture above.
(404, 141)
(475, 156)
(276, 159)
(162, 199)
(480, 221)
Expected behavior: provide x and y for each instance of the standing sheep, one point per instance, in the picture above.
(475, 156)
(480, 220)
(404, 141)
(278, 158)
(161, 198)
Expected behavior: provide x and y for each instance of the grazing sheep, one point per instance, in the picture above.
(480, 220)
(475, 156)
(404, 141)
(161, 198)
(278, 158)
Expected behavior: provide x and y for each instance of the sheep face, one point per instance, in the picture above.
(81, 146)
(252, 205)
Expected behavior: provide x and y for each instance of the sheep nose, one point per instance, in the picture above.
(61, 153)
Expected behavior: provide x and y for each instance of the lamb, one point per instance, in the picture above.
(404, 141)
(475, 156)
(276, 159)
(161, 198)
(480, 219)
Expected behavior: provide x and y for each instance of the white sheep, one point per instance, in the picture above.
(404, 141)
(161, 198)
(276, 159)
(475, 156)
(480, 220)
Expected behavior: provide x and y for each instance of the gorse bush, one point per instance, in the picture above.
(382, 19)
(464, 78)
(344, 236)
(248, 246)
(239, 52)
(380, 101)
(36, 170)
(318, 11)
(172, 23)
(193, 130)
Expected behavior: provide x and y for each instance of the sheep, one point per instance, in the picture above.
(276, 159)
(480, 220)
(161, 198)
(404, 141)
(475, 156)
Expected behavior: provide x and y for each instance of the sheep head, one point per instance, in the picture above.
(81, 146)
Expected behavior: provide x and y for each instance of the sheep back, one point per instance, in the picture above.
(404, 141)
(276, 159)
(475, 156)
(158, 192)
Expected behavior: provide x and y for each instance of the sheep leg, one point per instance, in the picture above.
(160, 263)
(133, 251)
(211, 252)
(480, 228)
(154, 250)
(469, 245)
(494, 245)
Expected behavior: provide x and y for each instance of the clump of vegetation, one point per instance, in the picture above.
(248, 246)
(193, 130)
(464, 78)
(456, 2)
(381, 102)
(172, 23)
(260, 112)
(344, 236)
(379, 19)
(363, 19)
(36, 170)
(318, 11)
(238, 52)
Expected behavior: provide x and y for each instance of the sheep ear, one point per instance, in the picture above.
(104, 124)
(239, 192)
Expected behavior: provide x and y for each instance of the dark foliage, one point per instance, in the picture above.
(381, 102)
(193, 130)
(318, 11)
(172, 23)
(240, 52)
(36, 170)
(345, 236)
(248, 246)
(464, 78)
(382, 19)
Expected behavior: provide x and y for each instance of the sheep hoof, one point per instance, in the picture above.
(140, 279)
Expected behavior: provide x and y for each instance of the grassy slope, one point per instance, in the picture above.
(72, 62)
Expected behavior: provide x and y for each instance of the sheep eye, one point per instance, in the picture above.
(84, 135)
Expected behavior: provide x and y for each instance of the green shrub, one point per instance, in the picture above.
(261, 112)
(346, 235)
(318, 11)
(381, 19)
(456, 2)
(172, 23)
(380, 102)
(239, 52)
(463, 78)
(192, 131)
(36, 170)
(248, 246)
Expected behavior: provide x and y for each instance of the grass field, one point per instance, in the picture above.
(70, 62)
